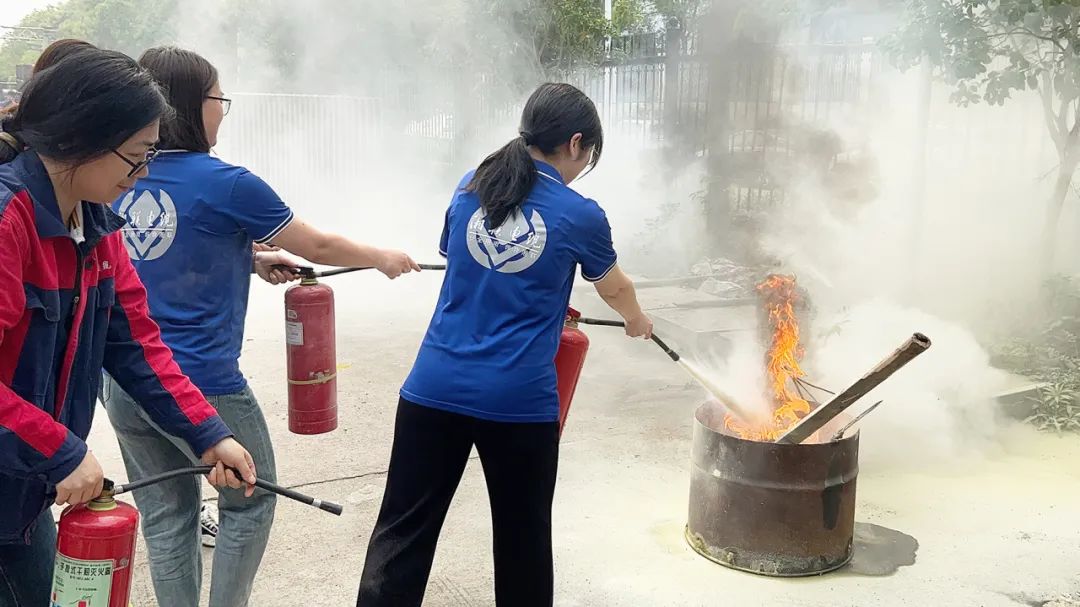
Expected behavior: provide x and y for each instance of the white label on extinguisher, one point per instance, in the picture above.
(294, 333)
(81, 583)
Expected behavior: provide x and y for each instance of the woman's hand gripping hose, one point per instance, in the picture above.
(233, 466)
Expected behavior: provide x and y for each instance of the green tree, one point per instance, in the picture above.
(987, 49)
(23, 49)
(679, 14)
(553, 33)
(125, 25)
(630, 17)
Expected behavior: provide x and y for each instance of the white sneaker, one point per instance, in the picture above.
(208, 525)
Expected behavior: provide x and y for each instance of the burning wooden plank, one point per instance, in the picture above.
(914, 346)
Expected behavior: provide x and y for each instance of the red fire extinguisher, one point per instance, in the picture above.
(95, 544)
(569, 360)
(95, 553)
(311, 356)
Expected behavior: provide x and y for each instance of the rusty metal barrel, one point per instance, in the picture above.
(768, 508)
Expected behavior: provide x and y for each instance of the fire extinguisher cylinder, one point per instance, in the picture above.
(311, 357)
(95, 553)
(569, 361)
(95, 547)
(570, 357)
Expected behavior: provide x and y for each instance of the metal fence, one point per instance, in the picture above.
(779, 104)
(301, 138)
(779, 101)
(783, 111)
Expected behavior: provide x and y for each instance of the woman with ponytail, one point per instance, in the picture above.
(515, 234)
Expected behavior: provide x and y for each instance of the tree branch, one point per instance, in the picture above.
(1062, 123)
(1053, 41)
(1046, 92)
(1023, 31)
(542, 33)
(1075, 129)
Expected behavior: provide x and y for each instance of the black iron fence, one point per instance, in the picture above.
(776, 105)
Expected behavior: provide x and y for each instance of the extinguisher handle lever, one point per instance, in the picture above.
(301, 271)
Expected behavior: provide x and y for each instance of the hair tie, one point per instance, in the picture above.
(526, 136)
(11, 140)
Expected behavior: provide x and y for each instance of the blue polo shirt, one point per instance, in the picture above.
(190, 226)
(489, 351)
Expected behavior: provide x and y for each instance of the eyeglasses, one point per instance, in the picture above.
(225, 103)
(151, 154)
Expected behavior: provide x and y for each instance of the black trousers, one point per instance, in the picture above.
(431, 448)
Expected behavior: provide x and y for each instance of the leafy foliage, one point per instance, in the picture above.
(1055, 408)
(679, 14)
(630, 17)
(1048, 350)
(129, 26)
(989, 49)
(541, 33)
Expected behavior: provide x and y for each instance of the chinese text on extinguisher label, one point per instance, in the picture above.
(80, 583)
(294, 333)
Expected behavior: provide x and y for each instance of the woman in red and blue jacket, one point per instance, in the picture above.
(71, 304)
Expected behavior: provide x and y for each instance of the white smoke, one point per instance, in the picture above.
(938, 406)
(878, 271)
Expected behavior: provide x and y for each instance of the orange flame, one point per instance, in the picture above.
(781, 363)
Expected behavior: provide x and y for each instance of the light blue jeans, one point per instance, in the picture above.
(170, 509)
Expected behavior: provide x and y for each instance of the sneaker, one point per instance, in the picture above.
(208, 525)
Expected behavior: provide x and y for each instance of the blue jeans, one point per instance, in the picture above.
(170, 510)
(26, 570)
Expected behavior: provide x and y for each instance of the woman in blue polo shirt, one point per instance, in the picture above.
(190, 229)
(485, 374)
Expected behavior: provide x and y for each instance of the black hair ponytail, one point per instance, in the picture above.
(552, 115)
(10, 144)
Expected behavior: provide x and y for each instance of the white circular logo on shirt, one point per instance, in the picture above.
(512, 247)
(151, 224)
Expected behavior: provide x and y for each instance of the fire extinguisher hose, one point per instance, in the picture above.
(115, 489)
(618, 323)
(309, 272)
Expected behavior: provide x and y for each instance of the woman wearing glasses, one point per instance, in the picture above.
(71, 304)
(191, 226)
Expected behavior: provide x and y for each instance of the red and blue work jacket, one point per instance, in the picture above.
(67, 310)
